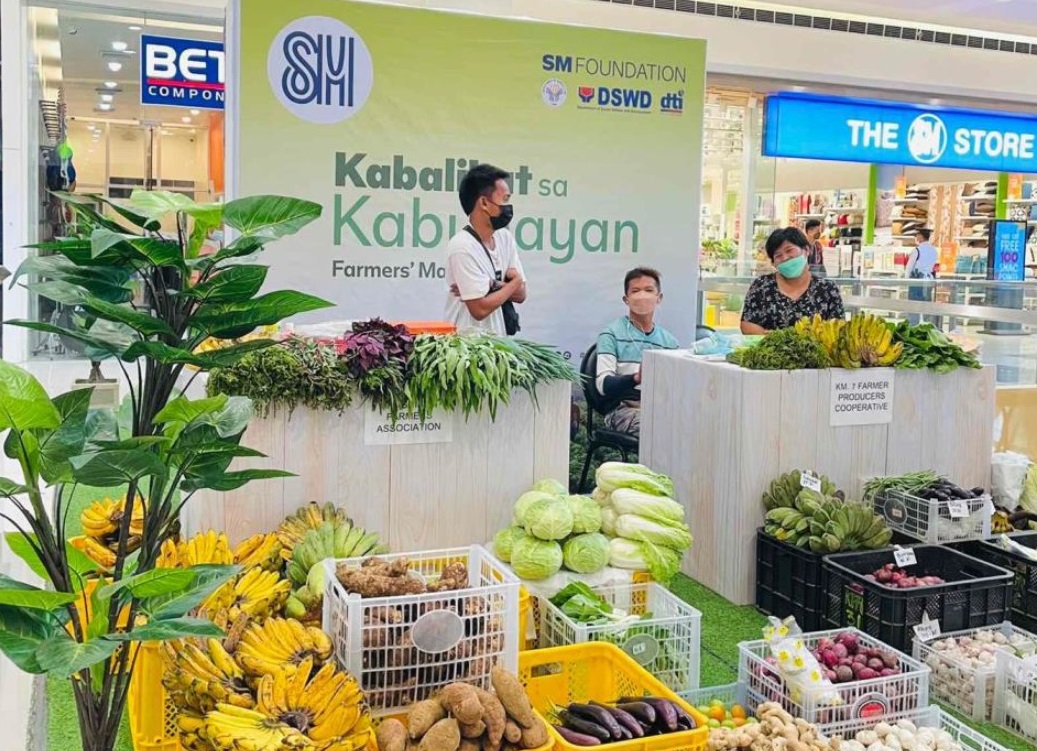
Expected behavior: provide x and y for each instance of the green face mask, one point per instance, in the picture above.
(793, 267)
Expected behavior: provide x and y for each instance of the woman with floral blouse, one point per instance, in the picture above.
(777, 301)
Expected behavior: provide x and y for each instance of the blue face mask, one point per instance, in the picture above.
(793, 267)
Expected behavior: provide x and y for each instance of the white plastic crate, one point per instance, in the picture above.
(665, 642)
(930, 717)
(872, 699)
(1015, 695)
(404, 648)
(953, 681)
(935, 521)
(729, 694)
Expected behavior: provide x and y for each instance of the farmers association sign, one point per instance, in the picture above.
(377, 112)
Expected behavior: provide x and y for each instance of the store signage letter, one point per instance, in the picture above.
(808, 126)
(182, 72)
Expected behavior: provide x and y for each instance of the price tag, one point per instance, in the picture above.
(810, 481)
(958, 509)
(927, 630)
(904, 556)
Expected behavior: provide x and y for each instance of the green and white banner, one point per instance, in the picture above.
(376, 112)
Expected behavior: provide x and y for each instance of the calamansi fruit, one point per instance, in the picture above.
(738, 711)
(718, 713)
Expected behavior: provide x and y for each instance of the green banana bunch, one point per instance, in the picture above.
(785, 490)
(345, 540)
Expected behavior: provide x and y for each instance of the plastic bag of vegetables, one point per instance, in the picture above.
(613, 475)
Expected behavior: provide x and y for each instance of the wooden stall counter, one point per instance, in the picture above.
(723, 434)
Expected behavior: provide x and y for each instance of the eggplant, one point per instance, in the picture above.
(585, 727)
(599, 715)
(577, 739)
(666, 714)
(642, 712)
(683, 718)
(627, 735)
(626, 720)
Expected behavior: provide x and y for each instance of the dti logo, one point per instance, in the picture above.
(320, 70)
(672, 104)
(586, 94)
(927, 138)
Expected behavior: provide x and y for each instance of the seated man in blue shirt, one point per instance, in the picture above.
(621, 347)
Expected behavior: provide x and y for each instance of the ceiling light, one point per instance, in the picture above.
(196, 112)
(114, 66)
(119, 46)
(134, 28)
(107, 97)
(111, 85)
(185, 119)
(104, 106)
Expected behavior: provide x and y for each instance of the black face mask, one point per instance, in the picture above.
(503, 219)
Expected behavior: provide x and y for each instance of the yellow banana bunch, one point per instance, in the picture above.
(190, 725)
(101, 519)
(230, 728)
(281, 645)
(825, 332)
(94, 550)
(262, 550)
(198, 677)
(866, 342)
(294, 528)
(328, 707)
(204, 548)
(255, 593)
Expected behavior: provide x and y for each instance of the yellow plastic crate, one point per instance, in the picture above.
(152, 714)
(598, 671)
(525, 610)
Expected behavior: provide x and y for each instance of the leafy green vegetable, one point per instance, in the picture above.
(613, 475)
(550, 486)
(583, 604)
(535, 559)
(786, 349)
(571, 590)
(586, 514)
(549, 519)
(504, 541)
(526, 500)
(586, 553)
(926, 347)
(669, 534)
(628, 501)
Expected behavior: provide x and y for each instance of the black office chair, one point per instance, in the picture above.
(599, 438)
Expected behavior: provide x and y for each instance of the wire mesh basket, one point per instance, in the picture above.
(929, 717)
(1015, 695)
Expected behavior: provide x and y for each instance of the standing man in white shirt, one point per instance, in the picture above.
(922, 265)
(483, 270)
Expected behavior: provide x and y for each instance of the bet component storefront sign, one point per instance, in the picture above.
(808, 126)
(377, 112)
(177, 72)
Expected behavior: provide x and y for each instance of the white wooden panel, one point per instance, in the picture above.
(509, 464)
(360, 477)
(551, 432)
(796, 410)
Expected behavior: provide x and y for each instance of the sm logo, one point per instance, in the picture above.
(927, 138)
(320, 70)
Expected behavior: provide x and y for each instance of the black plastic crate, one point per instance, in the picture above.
(1023, 570)
(788, 581)
(976, 594)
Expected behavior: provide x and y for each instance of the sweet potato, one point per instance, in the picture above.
(461, 701)
(472, 730)
(494, 716)
(513, 696)
(467, 744)
(445, 735)
(422, 716)
(534, 737)
(512, 732)
(392, 736)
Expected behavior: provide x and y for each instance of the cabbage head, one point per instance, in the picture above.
(586, 514)
(551, 486)
(549, 519)
(535, 559)
(586, 554)
(504, 540)
(526, 500)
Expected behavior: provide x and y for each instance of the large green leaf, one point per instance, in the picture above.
(230, 320)
(19, 594)
(159, 203)
(154, 250)
(24, 403)
(96, 344)
(21, 634)
(206, 217)
(208, 578)
(240, 248)
(111, 283)
(184, 411)
(67, 439)
(87, 211)
(111, 467)
(62, 292)
(270, 216)
(172, 628)
(154, 583)
(232, 480)
(78, 563)
(233, 417)
(143, 323)
(135, 218)
(10, 488)
(217, 358)
(230, 284)
(64, 656)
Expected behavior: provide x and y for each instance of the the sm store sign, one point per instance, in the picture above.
(182, 72)
(808, 126)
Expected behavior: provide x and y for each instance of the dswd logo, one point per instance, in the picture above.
(320, 69)
(927, 138)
